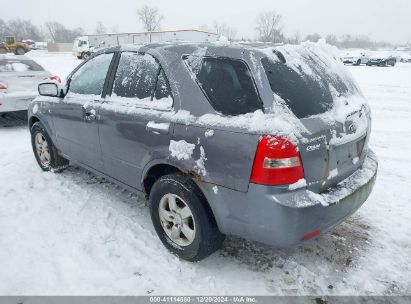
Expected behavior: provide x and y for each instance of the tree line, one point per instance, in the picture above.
(50, 31)
(269, 27)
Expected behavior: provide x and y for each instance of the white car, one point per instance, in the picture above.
(19, 77)
(403, 56)
(355, 57)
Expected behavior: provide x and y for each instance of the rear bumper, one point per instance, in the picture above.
(12, 102)
(282, 219)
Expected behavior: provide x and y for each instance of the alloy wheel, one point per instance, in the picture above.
(177, 219)
(42, 149)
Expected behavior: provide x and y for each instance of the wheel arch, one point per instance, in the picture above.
(33, 120)
(160, 168)
(153, 172)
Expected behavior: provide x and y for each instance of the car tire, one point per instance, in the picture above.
(20, 51)
(79, 57)
(85, 55)
(44, 150)
(191, 234)
(358, 62)
(3, 50)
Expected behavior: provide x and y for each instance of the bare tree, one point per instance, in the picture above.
(100, 28)
(150, 17)
(332, 39)
(21, 29)
(295, 39)
(114, 29)
(269, 27)
(3, 27)
(313, 37)
(223, 29)
(59, 33)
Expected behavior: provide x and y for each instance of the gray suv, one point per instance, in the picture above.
(270, 144)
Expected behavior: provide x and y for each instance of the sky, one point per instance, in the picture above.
(382, 20)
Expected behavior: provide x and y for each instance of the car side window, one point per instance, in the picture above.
(90, 78)
(141, 80)
(136, 76)
(227, 83)
(163, 91)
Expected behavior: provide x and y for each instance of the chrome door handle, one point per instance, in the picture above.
(158, 127)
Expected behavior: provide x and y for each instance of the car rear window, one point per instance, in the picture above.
(13, 65)
(227, 83)
(304, 93)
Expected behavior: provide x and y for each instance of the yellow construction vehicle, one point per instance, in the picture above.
(9, 44)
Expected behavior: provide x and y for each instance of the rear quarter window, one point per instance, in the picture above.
(227, 83)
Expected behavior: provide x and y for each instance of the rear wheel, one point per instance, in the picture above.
(183, 219)
(45, 152)
(3, 50)
(20, 51)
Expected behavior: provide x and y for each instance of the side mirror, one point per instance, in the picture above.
(49, 89)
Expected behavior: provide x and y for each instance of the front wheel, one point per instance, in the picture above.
(45, 152)
(85, 55)
(182, 218)
(20, 51)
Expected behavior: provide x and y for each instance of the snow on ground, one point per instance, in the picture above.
(75, 234)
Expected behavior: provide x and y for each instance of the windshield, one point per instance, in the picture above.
(308, 84)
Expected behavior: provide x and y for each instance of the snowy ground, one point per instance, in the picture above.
(73, 233)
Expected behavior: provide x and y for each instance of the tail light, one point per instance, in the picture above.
(3, 87)
(53, 77)
(277, 162)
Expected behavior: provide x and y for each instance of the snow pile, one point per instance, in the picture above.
(200, 163)
(209, 133)
(299, 184)
(215, 190)
(181, 149)
(164, 103)
(280, 123)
